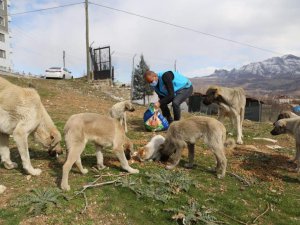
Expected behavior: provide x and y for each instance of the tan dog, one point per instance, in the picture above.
(290, 126)
(186, 132)
(21, 114)
(103, 131)
(232, 102)
(286, 115)
(118, 111)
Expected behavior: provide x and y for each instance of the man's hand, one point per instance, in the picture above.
(156, 105)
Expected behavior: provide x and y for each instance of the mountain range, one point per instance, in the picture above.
(274, 76)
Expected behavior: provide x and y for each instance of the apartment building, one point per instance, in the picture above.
(5, 48)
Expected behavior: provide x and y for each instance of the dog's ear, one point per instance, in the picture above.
(216, 92)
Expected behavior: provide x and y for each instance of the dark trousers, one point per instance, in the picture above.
(180, 97)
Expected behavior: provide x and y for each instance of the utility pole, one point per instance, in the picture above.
(175, 66)
(87, 40)
(131, 89)
(64, 58)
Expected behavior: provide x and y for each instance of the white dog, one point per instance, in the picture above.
(151, 150)
(118, 111)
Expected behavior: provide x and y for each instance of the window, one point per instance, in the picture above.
(2, 37)
(2, 54)
(2, 21)
(2, 4)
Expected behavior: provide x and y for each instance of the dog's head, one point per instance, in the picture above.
(283, 115)
(129, 106)
(169, 148)
(49, 139)
(211, 96)
(279, 127)
(128, 149)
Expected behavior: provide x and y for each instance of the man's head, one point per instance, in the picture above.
(151, 78)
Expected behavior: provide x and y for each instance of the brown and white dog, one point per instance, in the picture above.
(151, 151)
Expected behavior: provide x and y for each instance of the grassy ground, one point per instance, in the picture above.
(272, 187)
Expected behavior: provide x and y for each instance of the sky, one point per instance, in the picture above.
(38, 39)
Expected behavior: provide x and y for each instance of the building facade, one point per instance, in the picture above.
(5, 48)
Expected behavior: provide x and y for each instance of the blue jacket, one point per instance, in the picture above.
(179, 82)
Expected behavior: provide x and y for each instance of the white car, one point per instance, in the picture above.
(58, 72)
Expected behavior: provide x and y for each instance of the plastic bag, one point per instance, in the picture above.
(154, 120)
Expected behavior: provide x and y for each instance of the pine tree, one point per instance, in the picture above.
(140, 87)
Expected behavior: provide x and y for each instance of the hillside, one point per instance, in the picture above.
(277, 75)
(260, 187)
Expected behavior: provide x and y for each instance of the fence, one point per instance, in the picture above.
(255, 110)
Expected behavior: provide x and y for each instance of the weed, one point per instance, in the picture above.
(41, 201)
(193, 213)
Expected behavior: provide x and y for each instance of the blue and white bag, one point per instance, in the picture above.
(154, 120)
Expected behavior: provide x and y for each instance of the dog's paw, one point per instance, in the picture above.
(35, 172)
(11, 165)
(84, 171)
(188, 165)
(220, 176)
(170, 167)
(239, 142)
(100, 167)
(2, 189)
(65, 187)
(131, 170)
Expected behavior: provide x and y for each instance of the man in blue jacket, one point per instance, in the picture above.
(170, 86)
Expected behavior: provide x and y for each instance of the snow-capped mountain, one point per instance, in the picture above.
(287, 65)
(275, 75)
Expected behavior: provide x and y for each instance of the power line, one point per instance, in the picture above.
(44, 9)
(185, 28)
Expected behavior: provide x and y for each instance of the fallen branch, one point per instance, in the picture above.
(240, 222)
(86, 203)
(268, 208)
(266, 139)
(243, 180)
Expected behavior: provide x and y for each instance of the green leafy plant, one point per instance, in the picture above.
(174, 181)
(193, 213)
(41, 201)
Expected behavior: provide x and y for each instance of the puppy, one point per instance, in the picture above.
(186, 132)
(104, 131)
(118, 111)
(152, 149)
(290, 126)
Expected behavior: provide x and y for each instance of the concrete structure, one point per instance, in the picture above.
(5, 48)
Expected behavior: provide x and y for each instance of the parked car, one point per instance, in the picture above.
(58, 72)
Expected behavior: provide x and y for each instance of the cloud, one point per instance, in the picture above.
(39, 38)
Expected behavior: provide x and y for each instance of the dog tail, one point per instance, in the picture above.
(230, 143)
